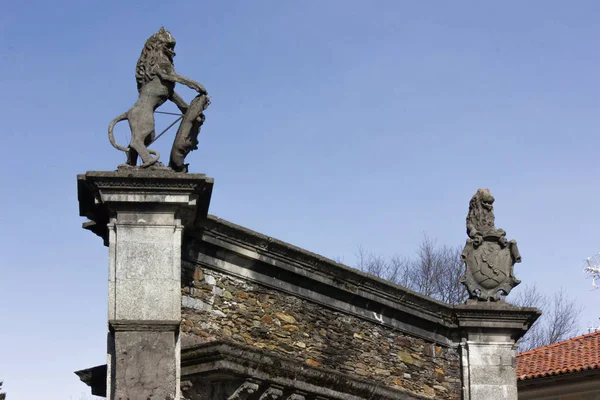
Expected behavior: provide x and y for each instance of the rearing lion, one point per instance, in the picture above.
(156, 78)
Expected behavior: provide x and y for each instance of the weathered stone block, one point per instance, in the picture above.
(145, 365)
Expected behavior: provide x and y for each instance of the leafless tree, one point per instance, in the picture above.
(449, 288)
(426, 270)
(559, 320)
(2, 395)
(435, 271)
(372, 264)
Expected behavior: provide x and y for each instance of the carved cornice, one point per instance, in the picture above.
(138, 188)
(500, 315)
(351, 279)
(273, 392)
(279, 377)
(95, 378)
(245, 390)
(144, 181)
(167, 182)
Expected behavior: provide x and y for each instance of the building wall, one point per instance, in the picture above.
(585, 395)
(217, 306)
(574, 386)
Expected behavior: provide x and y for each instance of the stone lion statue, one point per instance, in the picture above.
(480, 219)
(155, 76)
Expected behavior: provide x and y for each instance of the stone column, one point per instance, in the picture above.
(141, 215)
(489, 332)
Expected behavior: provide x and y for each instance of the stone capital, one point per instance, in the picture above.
(484, 320)
(104, 194)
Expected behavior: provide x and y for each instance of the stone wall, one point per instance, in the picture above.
(216, 306)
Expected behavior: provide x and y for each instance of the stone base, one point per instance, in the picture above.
(145, 363)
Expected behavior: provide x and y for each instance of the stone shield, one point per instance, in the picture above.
(489, 269)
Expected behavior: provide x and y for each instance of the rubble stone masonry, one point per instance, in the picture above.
(216, 306)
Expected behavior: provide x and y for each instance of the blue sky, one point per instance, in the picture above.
(334, 124)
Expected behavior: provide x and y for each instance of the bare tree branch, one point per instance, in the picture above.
(449, 288)
(372, 264)
(559, 320)
(338, 259)
(434, 271)
(399, 270)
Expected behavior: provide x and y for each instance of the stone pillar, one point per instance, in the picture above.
(489, 332)
(141, 215)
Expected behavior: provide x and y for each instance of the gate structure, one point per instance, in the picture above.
(203, 309)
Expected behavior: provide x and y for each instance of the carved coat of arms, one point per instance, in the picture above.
(489, 257)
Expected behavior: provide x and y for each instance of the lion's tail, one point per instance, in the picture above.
(153, 161)
(111, 136)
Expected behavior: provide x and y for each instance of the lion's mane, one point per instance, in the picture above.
(156, 53)
(480, 217)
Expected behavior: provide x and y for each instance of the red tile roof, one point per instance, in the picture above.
(577, 354)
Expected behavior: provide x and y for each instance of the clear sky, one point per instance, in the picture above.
(333, 124)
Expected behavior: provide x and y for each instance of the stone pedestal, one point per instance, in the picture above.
(489, 332)
(141, 215)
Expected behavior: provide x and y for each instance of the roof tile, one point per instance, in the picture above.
(577, 354)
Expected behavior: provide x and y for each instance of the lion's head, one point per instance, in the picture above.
(481, 212)
(158, 51)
